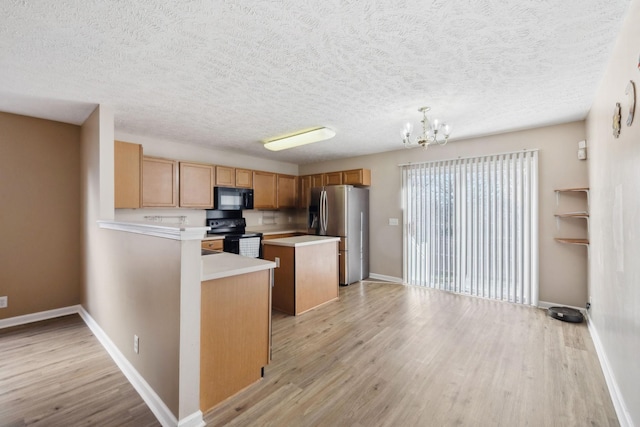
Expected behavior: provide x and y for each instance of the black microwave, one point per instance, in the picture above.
(232, 199)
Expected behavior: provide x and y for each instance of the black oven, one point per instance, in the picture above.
(232, 226)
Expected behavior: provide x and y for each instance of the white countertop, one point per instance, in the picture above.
(300, 240)
(227, 264)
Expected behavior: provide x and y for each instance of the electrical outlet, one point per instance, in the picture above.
(136, 344)
(4, 302)
(393, 221)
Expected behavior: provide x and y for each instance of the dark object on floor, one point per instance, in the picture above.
(566, 314)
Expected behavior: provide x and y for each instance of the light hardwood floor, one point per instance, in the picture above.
(391, 355)
(382, 355)
(56, 373)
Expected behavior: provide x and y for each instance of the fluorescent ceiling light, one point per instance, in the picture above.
(300, 138)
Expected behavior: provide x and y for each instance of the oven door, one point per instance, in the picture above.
(245, 245)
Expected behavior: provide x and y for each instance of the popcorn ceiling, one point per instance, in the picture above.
(228, 73)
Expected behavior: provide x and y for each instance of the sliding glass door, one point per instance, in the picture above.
(471, 226)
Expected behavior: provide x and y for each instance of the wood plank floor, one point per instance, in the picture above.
(391, 355)
(383, 355)
(56, 373)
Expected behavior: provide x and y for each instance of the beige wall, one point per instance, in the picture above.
(615, 229)
(563, 268)
(39, 214)
(131, 283)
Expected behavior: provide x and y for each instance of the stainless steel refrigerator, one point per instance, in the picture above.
(343, 211)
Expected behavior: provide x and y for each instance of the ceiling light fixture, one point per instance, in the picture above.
(299, 138)
(433, 132)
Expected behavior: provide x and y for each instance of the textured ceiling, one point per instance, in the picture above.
(231, 73)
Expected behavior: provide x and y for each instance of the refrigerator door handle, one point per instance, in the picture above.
(325, 212)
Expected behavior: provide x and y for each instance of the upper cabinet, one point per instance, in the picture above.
(357, 177)
(304, 189)
(333, 178)
(225, 176)
(159, 182)
(287, 190)
(127, 174)
(196, 185)
(317, 180)
(244, 178)
(264, 190)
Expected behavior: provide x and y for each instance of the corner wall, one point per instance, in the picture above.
(40, 199)
(615, 229)
(563, 268)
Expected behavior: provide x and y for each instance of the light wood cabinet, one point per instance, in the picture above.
(317, 180)
(287, 191)
(307, 276)
(159, 182)
(304, 190)
(127, 174)
(235, 334)
(264, 190)
(225, 176)
(357, 177)
(333, 178)
(196, 185)
(216, 245)
(244, 178)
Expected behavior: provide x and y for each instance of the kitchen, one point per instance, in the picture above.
(190, 184)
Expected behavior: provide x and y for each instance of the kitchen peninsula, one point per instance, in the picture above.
(307, 275)
(206, 324)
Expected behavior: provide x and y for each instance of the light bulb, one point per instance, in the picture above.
(436, 125)
(447, 129)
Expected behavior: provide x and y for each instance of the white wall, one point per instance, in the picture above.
(563, 268)
(615, 229)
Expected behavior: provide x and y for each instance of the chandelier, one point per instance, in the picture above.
(433, 132)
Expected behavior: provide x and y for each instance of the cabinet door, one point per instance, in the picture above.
(317, 180)
(357, 177)
(215, 245)
(264, 190)
(225, 176)
(127, 174)
(333, 178)
(159, 182)
(196, 185)
(303, 193)
(287, 191)
(244, 178)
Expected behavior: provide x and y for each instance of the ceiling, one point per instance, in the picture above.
(228, 74)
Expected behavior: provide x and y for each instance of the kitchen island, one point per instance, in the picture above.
(235, 324)
(307, 275)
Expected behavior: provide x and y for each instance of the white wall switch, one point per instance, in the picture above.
(393, 221)
(4, 302)
(277, 260)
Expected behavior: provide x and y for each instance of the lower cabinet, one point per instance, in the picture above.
(216, 245)
(235, 334)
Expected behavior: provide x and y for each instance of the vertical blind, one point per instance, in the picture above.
(471, 226)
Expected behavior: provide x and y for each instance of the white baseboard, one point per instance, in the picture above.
(37, 317)
(385, 278)
(546, 305)
(624, 417)
(153, 401)
(151, 398)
